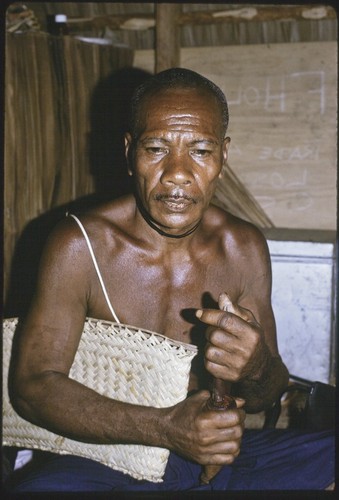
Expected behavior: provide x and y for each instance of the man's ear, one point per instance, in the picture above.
(225, 146)
(128, 146)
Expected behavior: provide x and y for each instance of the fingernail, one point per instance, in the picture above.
(198, 313)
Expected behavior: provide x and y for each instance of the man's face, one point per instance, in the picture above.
(178, 156)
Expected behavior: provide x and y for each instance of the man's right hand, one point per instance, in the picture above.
(203, 435)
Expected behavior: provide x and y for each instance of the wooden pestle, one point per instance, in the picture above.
(220, 395)
(219, 400)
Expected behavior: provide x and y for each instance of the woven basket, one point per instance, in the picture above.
(123, 363)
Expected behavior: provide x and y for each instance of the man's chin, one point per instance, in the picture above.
(176, 228)
(172, 222)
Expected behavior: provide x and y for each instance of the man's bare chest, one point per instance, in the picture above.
(163, 297)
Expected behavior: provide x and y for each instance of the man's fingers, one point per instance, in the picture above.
(225, 304)
(215, 317)
(221, 319)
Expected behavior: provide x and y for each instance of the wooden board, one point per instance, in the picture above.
(283, 108)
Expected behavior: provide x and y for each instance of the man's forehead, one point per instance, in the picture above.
(169, 92)
(176, 103)
(188, 99)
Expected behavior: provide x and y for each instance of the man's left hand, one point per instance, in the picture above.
(235, 347)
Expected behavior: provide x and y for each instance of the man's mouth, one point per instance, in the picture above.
(176, 201)
(176, 205)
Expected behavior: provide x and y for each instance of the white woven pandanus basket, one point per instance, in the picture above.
(121, 362)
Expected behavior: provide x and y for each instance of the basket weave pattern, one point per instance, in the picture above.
(121, 362)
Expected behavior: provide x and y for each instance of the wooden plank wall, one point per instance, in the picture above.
(49, 84)
(283, 124)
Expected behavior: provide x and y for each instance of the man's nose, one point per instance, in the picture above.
(177, 170)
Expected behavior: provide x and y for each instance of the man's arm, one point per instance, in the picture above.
(267, 375)
(242, 345)
(45, 395)
(43, 392)
(237, 352)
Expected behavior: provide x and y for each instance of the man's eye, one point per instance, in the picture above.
(201, 152)
(156, 150)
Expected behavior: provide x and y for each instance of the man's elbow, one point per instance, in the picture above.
(28, 395)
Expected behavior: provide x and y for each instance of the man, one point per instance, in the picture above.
(163, 252)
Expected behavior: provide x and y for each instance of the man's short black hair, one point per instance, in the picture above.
(174, 78)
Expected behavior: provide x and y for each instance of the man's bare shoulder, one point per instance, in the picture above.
(233, 230)
(244, 248)
(117, 214)
(102, 224)
(113, 215)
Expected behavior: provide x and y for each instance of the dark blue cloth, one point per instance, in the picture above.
(269, 460)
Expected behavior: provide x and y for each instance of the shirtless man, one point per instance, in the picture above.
(161, 252)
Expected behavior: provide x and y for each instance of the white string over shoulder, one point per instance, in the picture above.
(90, 248)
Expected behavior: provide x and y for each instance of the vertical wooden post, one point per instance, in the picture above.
(167, 48)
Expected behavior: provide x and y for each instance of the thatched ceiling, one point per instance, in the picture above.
(270, 23)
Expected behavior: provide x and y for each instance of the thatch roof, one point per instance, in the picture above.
(201, 24)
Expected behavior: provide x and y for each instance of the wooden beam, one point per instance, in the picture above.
(259, 13)
(167, 45)
(254, 13)
(122, 22)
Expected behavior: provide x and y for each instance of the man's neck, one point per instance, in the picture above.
(162, 231)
